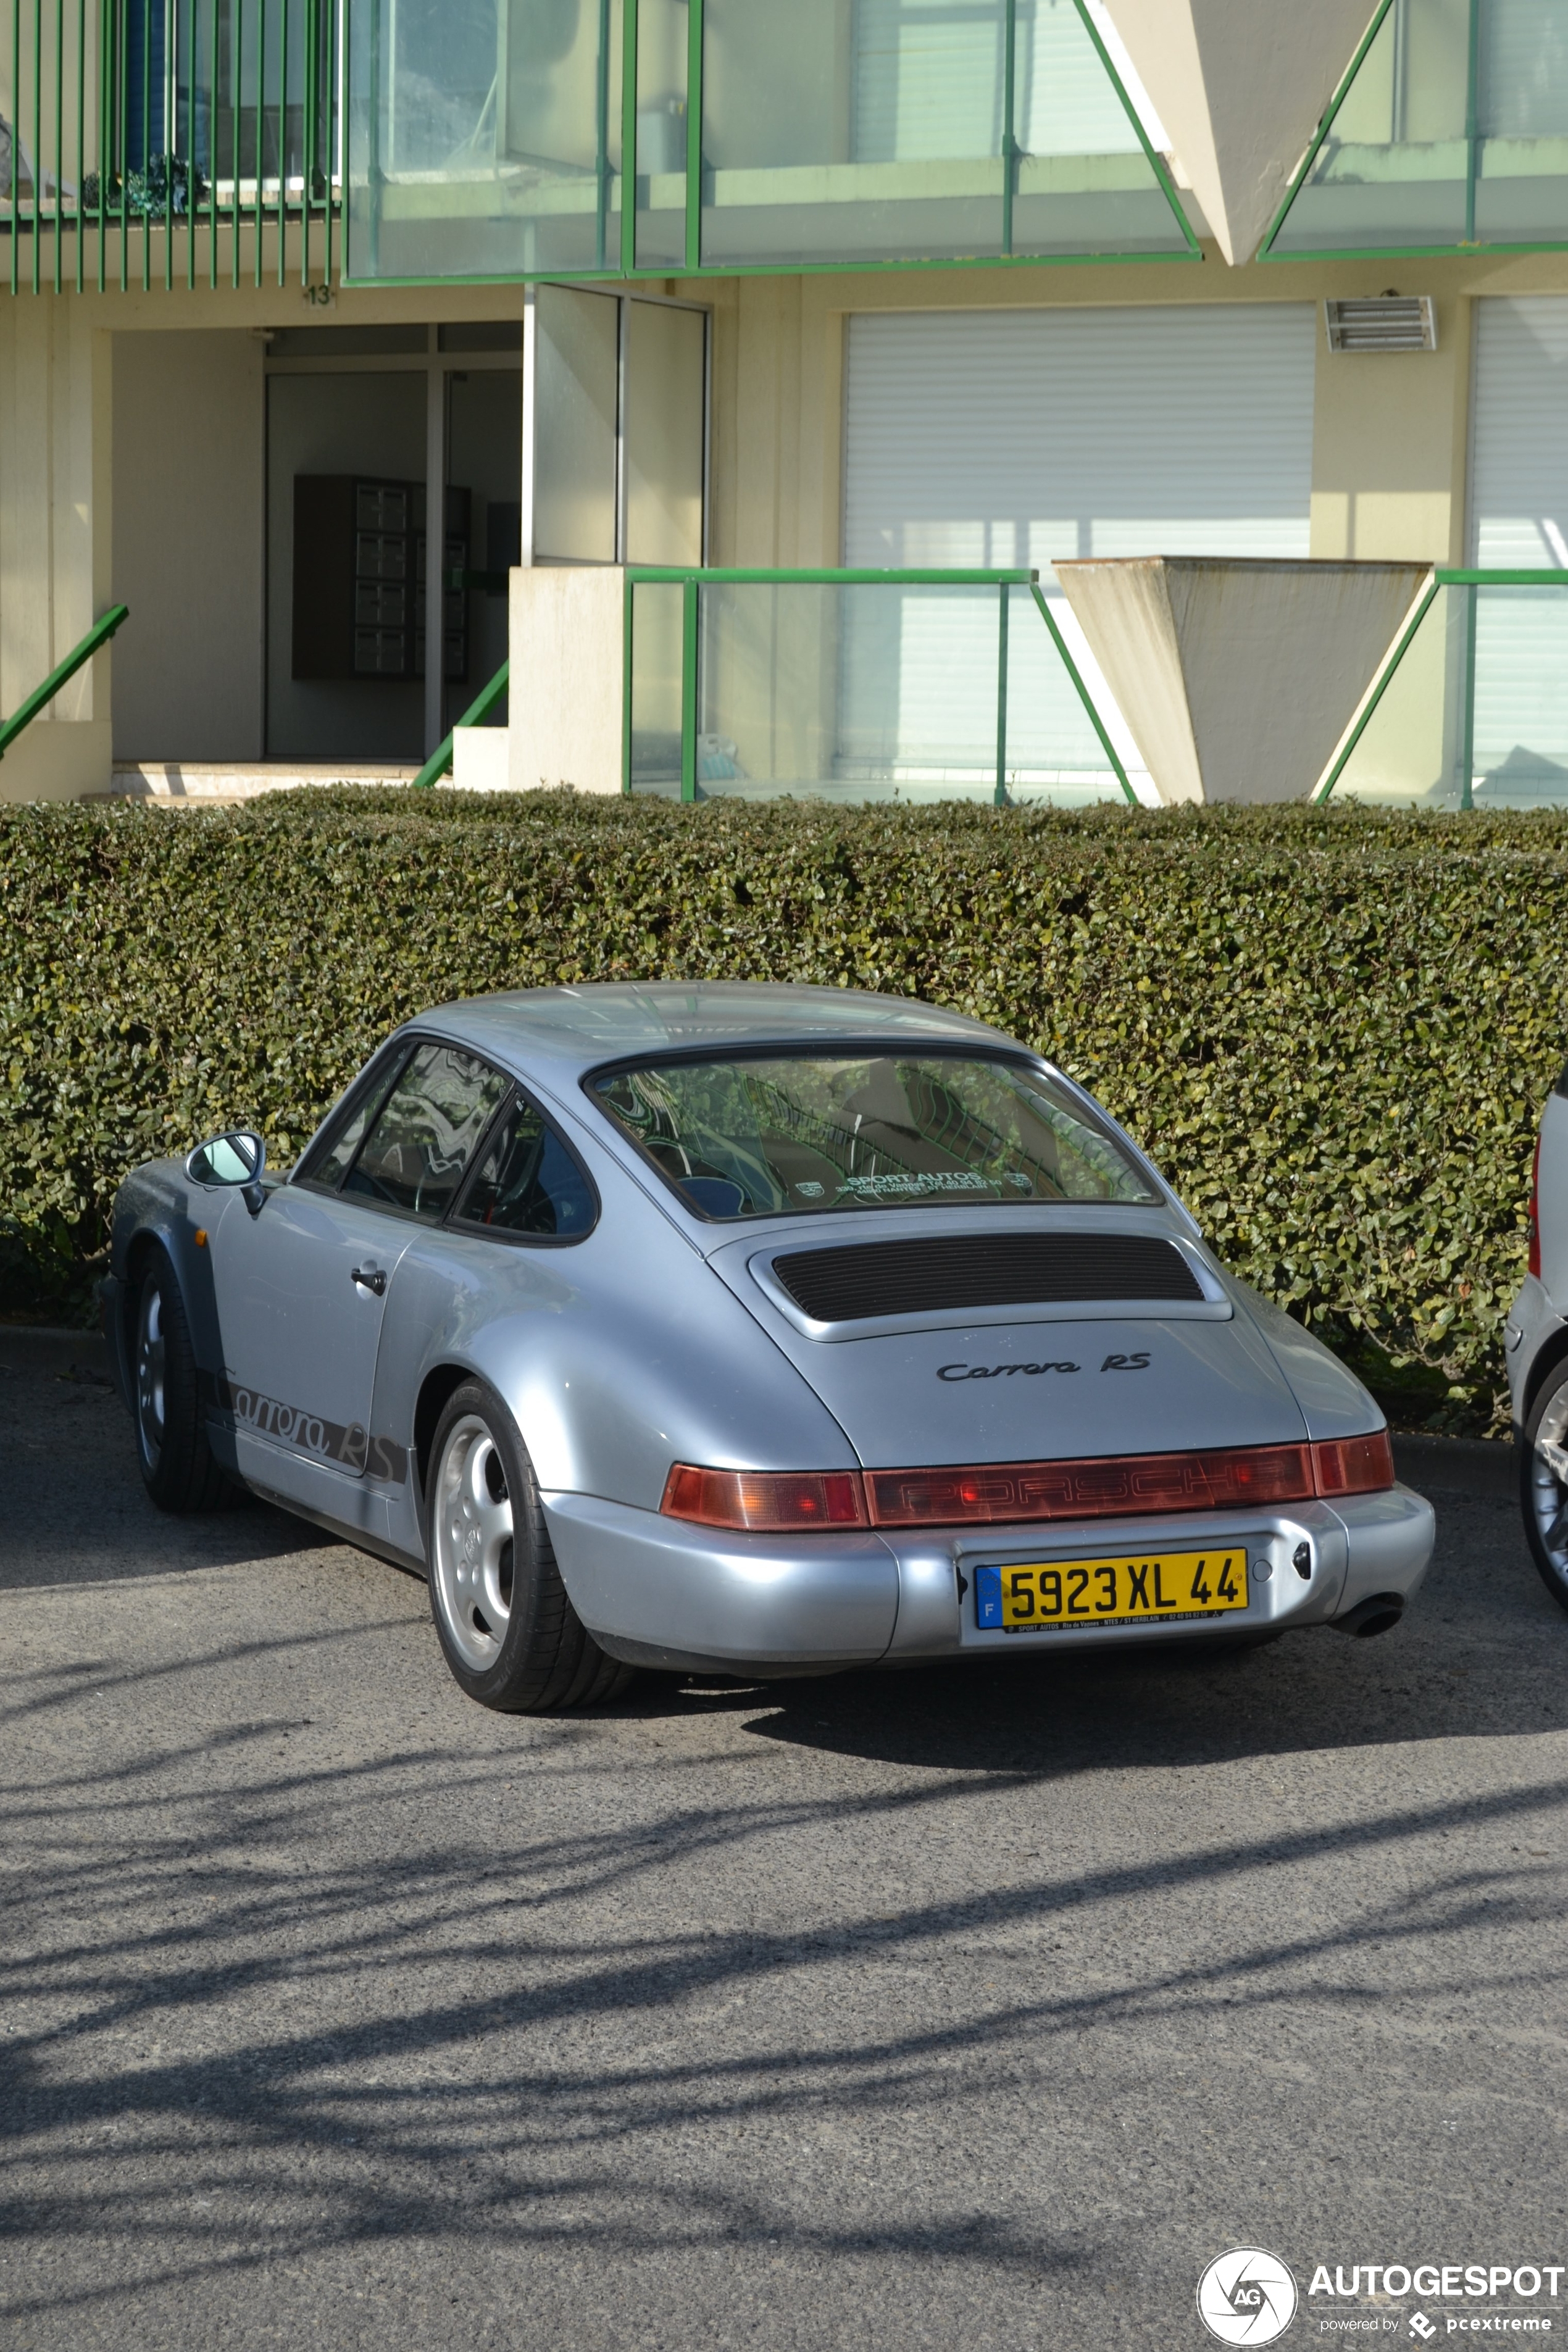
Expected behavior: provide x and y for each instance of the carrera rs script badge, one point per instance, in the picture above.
(993, 1372)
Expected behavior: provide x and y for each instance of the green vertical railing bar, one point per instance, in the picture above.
(629, 136)
(1001, 793)
(212, 156)
(122, 143)
(105, 124)
(1423, 608)
(237, 37)
(602, 139)
(688, 618)
(260, 121)
(332, 126)
(193, 210)
(81, 140)
(308, 140)
(1083, 695)
(146, 152)
(170, 137)
(1010, 150)
(1466, 789)
(60, 137)
(284, 13)
(628, 623)
(1472, 119)
(37, 133)
(694, 135)
(16, 153)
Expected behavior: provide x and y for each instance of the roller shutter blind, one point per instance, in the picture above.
(1518, 520)
(1010, 437)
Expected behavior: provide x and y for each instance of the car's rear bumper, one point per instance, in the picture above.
(660, 1591)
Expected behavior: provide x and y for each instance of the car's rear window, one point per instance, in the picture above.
(774, 1136)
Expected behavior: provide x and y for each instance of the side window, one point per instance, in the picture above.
(329, 1166)
(528, 1182)
(421, 1138)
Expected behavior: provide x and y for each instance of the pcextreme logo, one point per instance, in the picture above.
(1247, 2296)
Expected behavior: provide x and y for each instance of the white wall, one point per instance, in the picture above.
(188, 461)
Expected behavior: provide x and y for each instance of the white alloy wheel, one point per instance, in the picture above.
(474, 1547)
(151, 1369)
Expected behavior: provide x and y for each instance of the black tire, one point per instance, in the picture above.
(176, 1462)
(507, 1629)
(1542, 1487)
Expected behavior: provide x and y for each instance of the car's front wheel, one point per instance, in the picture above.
(1543, 1482)
(510, 1634)
(177, 1466)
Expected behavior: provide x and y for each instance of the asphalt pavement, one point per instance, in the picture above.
(953, 2010)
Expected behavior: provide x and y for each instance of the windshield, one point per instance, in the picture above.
(776, 1136)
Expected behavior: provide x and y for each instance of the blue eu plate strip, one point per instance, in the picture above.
(988, 1599)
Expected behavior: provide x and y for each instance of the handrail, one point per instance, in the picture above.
(440, 759)
(99, 635)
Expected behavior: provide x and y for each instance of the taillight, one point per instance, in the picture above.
(1533, 1213)
(764, 1501)
(1353, 1465)
(1229, 1478)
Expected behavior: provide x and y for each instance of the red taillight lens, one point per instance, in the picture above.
(1533, 1213)
(766, 1501)
(1098, 1489)
(1353, 1465)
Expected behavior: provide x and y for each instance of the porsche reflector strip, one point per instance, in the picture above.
(1007, 1492)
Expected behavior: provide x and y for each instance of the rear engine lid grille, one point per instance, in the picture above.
(861, 1280)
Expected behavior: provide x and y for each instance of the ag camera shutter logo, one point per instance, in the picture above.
(1247, 2296)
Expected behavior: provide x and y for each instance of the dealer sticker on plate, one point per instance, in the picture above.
(1060, 1595)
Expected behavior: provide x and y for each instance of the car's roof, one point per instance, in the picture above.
(577, 1028)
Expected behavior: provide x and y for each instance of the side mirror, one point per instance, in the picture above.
(238, 1157)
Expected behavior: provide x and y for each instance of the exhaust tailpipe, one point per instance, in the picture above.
(1379, 1614)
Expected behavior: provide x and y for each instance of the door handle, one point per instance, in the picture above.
(369, 1277)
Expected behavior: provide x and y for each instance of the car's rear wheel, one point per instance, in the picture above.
(177, 1466)
(1543, 1483)
(510, 1634)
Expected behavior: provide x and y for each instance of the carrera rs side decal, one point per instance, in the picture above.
(352, 1448)
(993, 1372)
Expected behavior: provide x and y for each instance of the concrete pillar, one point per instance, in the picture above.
(1240, 86)
(567, 695)
(1238, 678)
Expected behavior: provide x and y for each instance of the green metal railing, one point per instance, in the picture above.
(1352, 193)
(729, 658)
(1473, 690)
(169, 139)
(477, 711)
(654, 145)
(99, 635)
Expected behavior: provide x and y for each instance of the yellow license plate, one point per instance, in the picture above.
(1058, 1595)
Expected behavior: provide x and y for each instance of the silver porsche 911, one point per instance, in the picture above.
(760, 1330)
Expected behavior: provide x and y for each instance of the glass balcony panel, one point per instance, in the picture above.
(665, 403)
(1519, 751)
(837, 132)
(663, 39)
(860, 691)
(1453, 131)
(484, 138)
(1410, 752)
(656, 677)
(576, 409)
(1051, 751)
(1082, 181)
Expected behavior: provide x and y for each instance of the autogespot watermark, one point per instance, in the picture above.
(1249, 2296)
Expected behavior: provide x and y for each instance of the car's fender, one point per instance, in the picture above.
(158, 1203)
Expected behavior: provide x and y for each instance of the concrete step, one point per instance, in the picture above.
(172, 782)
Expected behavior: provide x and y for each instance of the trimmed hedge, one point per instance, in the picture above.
(1334, 1029)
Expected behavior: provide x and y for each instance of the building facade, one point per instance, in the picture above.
(962, 289)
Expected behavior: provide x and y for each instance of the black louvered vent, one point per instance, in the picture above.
(961, 1270)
